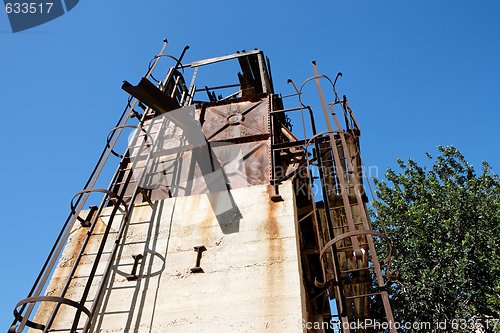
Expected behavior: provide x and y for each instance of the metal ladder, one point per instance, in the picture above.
(351, 271)
(359, 277)
(120, 200)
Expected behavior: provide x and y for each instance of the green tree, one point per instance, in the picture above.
(443, 222)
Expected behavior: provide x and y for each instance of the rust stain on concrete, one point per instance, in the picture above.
(60, 275)
(275, 252)
(204, 224)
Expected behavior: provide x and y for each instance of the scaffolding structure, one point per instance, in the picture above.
(338, 257)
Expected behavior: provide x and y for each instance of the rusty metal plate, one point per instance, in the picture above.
(175, 161)
(236, 120)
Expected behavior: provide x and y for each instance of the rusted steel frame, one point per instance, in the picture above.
(109, 147)
(218, 87)
(231, 95)
(347, 153)
(300, 164)
(274, 146)
(285, 145)
(54, 299)
(359, 200)
(305, 216)
(288, 110)
(319, 293)
(209, 61)
(367, 268)
(163, 84)
(370, 233)
(364, 217)
(340, 297)
(383, 293)
(289, 95)
(338, 285)
(338, 168)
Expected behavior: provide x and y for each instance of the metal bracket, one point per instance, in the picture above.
(199, 250)
(133, 276)
(86, 222)
(146, 195)
(276, 197)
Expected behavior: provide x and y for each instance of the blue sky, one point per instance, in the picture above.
(418, 74)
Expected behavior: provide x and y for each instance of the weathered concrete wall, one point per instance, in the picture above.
(251, 280)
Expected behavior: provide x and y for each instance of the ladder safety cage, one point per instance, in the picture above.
(343, 262)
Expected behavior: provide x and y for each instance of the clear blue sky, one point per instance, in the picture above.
(418, 74)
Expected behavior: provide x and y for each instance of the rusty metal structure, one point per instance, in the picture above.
(338, 258)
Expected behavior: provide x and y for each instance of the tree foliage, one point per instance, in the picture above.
(443, 222)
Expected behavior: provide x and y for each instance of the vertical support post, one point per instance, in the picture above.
(262, 72)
